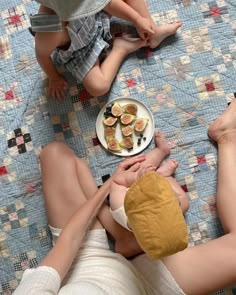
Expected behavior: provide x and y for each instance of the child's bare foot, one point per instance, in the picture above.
(144, 169)
(161, 143)
(127, 45)
(162, 32)
(168, 168)
(127, 246)
(224, 127)
(180, 194)
(157, 155)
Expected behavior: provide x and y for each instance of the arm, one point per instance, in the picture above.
(120, 183)
(122, 10)
(45, 44)
(47, 277)
(74, 232)
(40, 281)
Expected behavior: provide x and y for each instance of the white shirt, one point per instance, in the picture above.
(73, 9)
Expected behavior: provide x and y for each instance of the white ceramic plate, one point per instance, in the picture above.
(143, 112)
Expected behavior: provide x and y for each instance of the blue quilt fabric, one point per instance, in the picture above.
(186, 82)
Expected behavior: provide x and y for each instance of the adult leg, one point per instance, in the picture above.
(67, 184)
(161, 31)
(98, 81)
(212, 266)
(62, 178)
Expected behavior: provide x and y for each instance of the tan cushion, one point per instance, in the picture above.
(155, 216)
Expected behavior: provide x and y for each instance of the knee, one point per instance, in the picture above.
(51, 151)
(98, 88)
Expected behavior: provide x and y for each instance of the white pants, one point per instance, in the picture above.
(114, 274)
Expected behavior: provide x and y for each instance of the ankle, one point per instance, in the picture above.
(165, 150)
(227, 137)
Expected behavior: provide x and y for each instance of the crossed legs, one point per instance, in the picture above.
(67, 184)
(198, 270)
(212, 266)
(99, 79)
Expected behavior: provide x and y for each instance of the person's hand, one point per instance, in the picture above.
(127, 177)
(127, 163)
(144, 169)
(126, 172)
(57, 87)
(144, 28)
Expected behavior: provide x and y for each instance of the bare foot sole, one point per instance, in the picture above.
(181, 195)
(225, 125)
(126, 45)
(168, 168)
(161, 143)
(162, 32)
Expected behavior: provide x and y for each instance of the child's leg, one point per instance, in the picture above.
(67, 184)
(162, 31)
(157, 155)
(167, 170)
(211, 266)
(154, 158)
(180, 194)
(98, 81)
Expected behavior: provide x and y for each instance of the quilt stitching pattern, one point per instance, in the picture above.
(186, 82)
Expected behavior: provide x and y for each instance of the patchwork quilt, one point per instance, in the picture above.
(186, 82)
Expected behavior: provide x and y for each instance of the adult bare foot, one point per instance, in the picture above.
(168, 168)
(164, 31)
(127, 45)
(222, 128)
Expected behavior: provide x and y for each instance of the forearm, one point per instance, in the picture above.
(122, 10)
(74, 232)
(47, 65)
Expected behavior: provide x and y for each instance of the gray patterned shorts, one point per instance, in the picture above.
(89, 37)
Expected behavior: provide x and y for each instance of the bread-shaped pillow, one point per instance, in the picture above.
(155, 216)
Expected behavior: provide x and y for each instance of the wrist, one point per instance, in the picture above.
(138, 20)
(54, 76)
